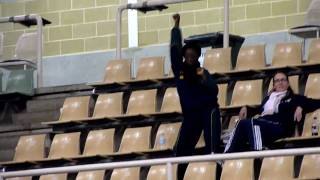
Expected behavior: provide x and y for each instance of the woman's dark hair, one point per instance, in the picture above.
(287, 77)
(192, 45)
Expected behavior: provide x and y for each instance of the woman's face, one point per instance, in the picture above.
(280, 82)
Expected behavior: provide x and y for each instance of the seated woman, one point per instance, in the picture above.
(279, 112)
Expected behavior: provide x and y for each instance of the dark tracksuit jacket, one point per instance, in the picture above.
(264, 130)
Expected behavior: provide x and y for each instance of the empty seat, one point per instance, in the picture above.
(135, 140)
(287, 54)
(27, 144)
(91, 175)
(150, 68)
(217, 60)
(117, 71)
(314, 51)
(222, 95)
(308, 122)
(312, 88)
(251, 57)
(26, 47)
(274, 168)
(108, 105)
(247, 93)
(75, 108)
(238, 169)
(20, 178)
(142, 102)
(54, 177)
(65, 145)
(21, 82)
(167, 136)
(201, 171)
(99, 142)
(160, 172)
(125, 174)
(171, 101)
(310, 167)
(293, 81)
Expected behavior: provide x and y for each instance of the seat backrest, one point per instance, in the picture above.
(65, 145)
(167, 136)
(247, 93)
(160, 172)
(287, 54)
(222, 95)
(202, 170)
(135, 140)
(150, 68)
(26, 47)
(142, 102)
(54, 177)
(314, 51)
(281, 167)
(108, 105)
(20, 81)
(293, 81)
(91, 175)
(201, 142)
(20, 178)
(118, 70)
(75, 108)
(251, 57)
(99, 142)
(310, 167)
(308, 122)
(126, 173)
(27, 144)
(217, 60)
(238, 169)
(233, 121)
(171, 101)
(312, 88)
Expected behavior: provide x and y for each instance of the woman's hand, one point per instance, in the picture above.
(298, 114)
(243, 113)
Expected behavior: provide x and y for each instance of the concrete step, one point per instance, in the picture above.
(44, 104)
(35, 118)
(6, 155)
(8, 142)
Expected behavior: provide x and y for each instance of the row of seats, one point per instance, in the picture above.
(275, 168)
(217, 61)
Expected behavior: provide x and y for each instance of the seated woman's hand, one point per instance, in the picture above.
(243, 113)
(298, 114)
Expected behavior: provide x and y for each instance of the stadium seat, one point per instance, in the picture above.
(135, 140)
(201, 142)
(108, 105)
(75, 108)
(171, 101)
(201, 171)
(222, 95)
(312, 88)
(19, 82)
(20, 178)
(26, 47)
(232, 122)
(167, 136)
(117, 71)
(277, 168)
(99, 142)
(238, 169)
(125, 174)
(54, 177)
(293, 81)
(251, 58)
(27, 144)
(247, 93)
(217, 60)
(314, 52)
(160, 172)
(65, 146)
(91, 175)
(142, 102)
(287, 54)
(310, 167)
(306, 132)
(150, 68)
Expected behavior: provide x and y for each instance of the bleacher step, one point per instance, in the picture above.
(6, 155)
(44, 105)
(35, 118)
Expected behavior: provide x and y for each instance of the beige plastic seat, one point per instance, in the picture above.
(65, 145)
(222, 95)
(99, 142)
(54, 177)
(233, 121)
(142, 102)
(26, 47)
(287, 54)
(20, 178)
(135, 140)
(201, 171)
(314, 51)
(171, 101)
(293, 81)
(238, 169)
(312, 88)
(251, 58)
(91, 175)
(27, 144)
(308, 122)
(247, 93)
(201, 142)
(75, 108)
(126, 174)
(277, 168)
(167, 136)
(108, 105)
(310, 167)
(150, 68)
(217, 60)
(160, 172)
(118, 70)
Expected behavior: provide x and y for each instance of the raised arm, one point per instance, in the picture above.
(176, 47)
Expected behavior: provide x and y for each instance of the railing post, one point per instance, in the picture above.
(169, 171)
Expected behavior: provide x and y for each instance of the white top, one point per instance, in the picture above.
(272, 105)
